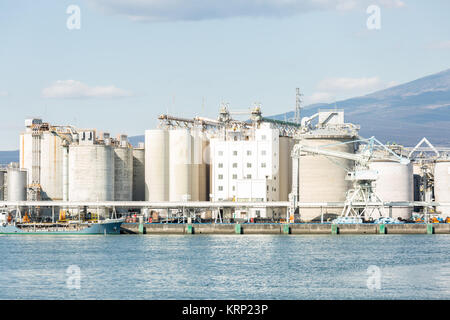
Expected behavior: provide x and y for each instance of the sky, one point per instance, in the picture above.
(116, 65)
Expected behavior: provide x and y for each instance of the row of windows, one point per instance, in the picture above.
(249, 165)
(220, 177)
(249, 153)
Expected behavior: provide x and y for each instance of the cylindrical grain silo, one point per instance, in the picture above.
(442, 185)
(91, 173)
(2, 185)
(395, 183)
(51, 175)
(138, 174)
(157, 165)
(204, 169)
(321, 178)
(196, 161)
(123, 173)
(180, 165)
(17, 184)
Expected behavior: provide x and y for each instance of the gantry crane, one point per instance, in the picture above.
(362, 194)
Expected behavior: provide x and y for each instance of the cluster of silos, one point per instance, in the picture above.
(395, 183)
(321, 178)
(442, 185)
(175, 169)
(16, 184)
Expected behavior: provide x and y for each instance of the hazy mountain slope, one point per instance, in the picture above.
(404, 113)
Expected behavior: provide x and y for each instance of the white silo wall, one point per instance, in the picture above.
(17, 184)
(123, 174)
(442, 185)
(180, 165)
(157, 165)
(91, 173)
(196, 162)
(285, 168)
(2, 185)
(204, 169)
(395, 183)
(138, 174)
(323, 180)
(25, 152)
(51, 167)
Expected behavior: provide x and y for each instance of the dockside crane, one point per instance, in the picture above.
(362, 200)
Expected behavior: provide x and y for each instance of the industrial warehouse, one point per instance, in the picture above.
(313, 170)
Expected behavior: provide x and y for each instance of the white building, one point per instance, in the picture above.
(245, 167)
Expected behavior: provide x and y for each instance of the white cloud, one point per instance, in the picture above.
(348, 84)
(333, 89)
(170, 10)
(76, 89)
(440, 45)
(4, 93)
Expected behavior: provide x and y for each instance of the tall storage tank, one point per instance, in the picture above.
(91, 173)
(2, 185)
(395, 183)
(322, 179)
(442, 184)
(196, 162)
(139, 174)
(123, 173)
(17, 184)
(204, 169)
(285, 168)
(157, 165)
(51, 166)
(180, 188)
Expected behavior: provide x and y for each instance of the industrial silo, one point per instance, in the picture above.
(91, 173)
(321, 178)
(17, 184)
(204, 169)
(395, 183)
(123, 173)
(442, 185)
(180, 165)
(139, 173)
(51, 166)
(2, 185)
(156, 165)
(196, 161)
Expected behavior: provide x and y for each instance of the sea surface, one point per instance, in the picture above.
(225, 267)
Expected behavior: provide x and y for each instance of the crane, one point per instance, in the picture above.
(358, 198)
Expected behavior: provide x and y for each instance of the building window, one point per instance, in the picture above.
(220, 188)
(220, 153)
(234, 188)
(234, 176)
(263, 137)
(220, 165)
(234, 153)
(263, 152)
(235, 165)
(249, 153)
(263, 165)
(249, 165)
(220, 176)
(249, 176)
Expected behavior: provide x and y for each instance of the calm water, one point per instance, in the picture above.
(225, 267)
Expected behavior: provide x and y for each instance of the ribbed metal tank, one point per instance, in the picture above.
(17, 184)
(442, 184)
(157, 165)
(91, 173)
(180, 165)
(2, 185)
(123, 174)
(138, 174)
(322, 179)
(395, 183)
(51, 167)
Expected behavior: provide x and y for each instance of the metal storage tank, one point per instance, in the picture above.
(17, 184)
(138, 174)
(2, 185)
(123, 174)
(196, 162)
(204, 169)
(395, 183)
(285, 168)
(180, 165)
(156, 165)
(442, 185)
(91, 173)
(51, 167)
(322, 179)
